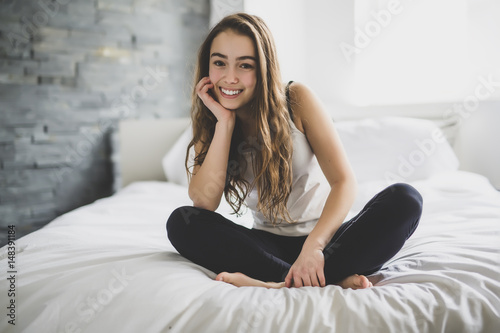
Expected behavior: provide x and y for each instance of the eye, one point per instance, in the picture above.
(218, 63)
(246, 66)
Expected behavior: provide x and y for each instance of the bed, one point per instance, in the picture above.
(108, 266)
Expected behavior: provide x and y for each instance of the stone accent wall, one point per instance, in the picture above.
(69, 70)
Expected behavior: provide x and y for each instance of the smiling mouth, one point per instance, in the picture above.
(230, 92)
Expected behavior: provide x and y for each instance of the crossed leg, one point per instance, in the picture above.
(360, 247)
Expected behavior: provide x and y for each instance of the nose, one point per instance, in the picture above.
(231, 76)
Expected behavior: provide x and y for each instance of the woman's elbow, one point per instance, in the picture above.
(204, 205)
(200, 201)
(348, 183)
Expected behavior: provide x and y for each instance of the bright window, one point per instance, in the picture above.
(410, 52)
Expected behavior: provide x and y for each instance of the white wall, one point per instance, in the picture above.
(429, 58)
(428, 52)
(477, 143)
(287, 22)
(412, 52)
(307, 34)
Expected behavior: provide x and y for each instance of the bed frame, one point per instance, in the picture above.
(143, 143)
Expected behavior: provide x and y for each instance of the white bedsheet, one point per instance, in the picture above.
(108, 267)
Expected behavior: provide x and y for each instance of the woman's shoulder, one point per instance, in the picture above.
(299, 96)
(296, 87)
(298, 92)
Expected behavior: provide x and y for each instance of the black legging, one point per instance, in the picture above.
(360, 246)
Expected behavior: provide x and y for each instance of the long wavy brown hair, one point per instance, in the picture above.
(272, 147)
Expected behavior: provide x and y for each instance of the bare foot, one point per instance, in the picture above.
(356, 282)
(242, 280)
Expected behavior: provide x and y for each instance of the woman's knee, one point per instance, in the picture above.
(179, 221)
(406, 197)
(407, 206)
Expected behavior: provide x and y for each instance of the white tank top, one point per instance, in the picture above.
(310, 189)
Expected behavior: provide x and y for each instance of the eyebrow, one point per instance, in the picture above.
(217, 54)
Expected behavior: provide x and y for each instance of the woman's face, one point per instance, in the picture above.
(233, 69)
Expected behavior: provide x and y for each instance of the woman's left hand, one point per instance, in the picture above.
(308, 269)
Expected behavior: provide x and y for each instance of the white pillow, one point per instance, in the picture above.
(173, 161)
(391, 148)
(396, 149)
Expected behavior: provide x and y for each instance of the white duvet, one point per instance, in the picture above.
(108, 267)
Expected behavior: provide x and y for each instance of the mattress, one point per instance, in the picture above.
(109, 267)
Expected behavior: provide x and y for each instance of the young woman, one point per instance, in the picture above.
(273, 148)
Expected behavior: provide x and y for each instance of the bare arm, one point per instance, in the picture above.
(314, 121)
(208, 181)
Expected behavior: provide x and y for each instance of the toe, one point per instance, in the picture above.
(364, 282)
(220, 277)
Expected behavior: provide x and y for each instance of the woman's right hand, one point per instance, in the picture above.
(209, 179)
(220, 112)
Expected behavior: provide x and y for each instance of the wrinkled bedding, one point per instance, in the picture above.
(108, 267)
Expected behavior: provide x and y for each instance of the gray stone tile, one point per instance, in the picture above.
(63, 92)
